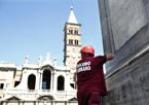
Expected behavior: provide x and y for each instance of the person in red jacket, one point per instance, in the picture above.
(89, 77)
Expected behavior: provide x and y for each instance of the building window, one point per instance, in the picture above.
(70, 31)
(76, 32)
(1, 85)
(70, 42)
(31, 82)
(60, 83)
(46, 79)
(76, 42)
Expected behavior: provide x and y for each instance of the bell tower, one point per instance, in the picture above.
(72, 42)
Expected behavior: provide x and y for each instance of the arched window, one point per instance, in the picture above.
(1, 85)
(71, 31)
(46, 79)
(60, 83)
(76, 42)
(70, 42)
(76, 32)
(31, 82)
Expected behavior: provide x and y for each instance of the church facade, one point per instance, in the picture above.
(45, 83)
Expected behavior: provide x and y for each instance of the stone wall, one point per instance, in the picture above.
(130, 85)
(125, 31)
(127, 17)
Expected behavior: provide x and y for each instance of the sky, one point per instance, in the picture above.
(34, 28)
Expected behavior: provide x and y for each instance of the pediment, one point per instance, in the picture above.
(48, 67)
(13, 99)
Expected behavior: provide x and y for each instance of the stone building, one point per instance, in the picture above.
(125, 30)
(44, 83)
(36, 84)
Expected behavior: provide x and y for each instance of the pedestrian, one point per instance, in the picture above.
(89, 77)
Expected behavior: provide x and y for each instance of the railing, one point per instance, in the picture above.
(38, 102)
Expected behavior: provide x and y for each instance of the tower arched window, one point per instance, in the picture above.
(46, 79)
(71, 31)
(60, 83)
(70, 42)
(31, 81)
(76, 32)
(76, 42)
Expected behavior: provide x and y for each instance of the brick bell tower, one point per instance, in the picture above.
(72, 42)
